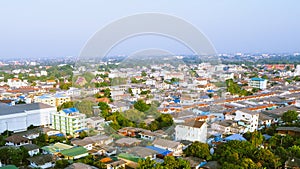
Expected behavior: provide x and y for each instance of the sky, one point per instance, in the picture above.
(55, 28)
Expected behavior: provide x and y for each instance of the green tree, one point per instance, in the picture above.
(295, 151)
(61, 164)
(146, 164)
(103, 106)
(66, 105)
(85, 107)
(83, 134)
(144, 73)
(141, 106)
(289, 116)
(197, 149)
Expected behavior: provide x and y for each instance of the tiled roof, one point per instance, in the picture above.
(16, 139)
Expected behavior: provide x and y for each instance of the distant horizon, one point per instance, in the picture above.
(33, 29)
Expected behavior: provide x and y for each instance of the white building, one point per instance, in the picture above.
(192, 131)
(16, 83)
(18, 117)
(248, 119)
(69, 121)
(258, 83)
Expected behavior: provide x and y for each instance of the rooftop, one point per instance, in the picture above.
(75, 151)
(20, 108)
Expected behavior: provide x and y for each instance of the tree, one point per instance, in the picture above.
(61, 164)
(171, 163)
(295, 151)
(65, 105)
(197, 149)
(85, 107)
(83, 134)
(103, 106)
(41, 140)
(290, 116)
(144, 73)
(256, 138)
(65, 86)
(146, 164)
(141, 106)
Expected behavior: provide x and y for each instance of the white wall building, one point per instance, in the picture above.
(16, 83)
(258, 83)
(192, 131)
(18, 117)
(248, 119)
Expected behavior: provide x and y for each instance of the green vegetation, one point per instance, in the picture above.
(169, 163)
(197, 149)
(14, 155)
(289, 116)
(242, 154)
(234, 89)
(140, 105)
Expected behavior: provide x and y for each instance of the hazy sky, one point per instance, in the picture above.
(35, 28)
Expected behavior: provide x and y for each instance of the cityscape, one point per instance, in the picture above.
(165, 105)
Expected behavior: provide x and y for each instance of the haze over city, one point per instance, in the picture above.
(61, 28)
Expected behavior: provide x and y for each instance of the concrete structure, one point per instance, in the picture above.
(16, 83)
(258, 83)
(18, 117)
(69, 121)
(52, 100)
(192, 131)
(248, 119)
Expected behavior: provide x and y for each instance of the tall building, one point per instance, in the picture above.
(258, 83)
(69, 121)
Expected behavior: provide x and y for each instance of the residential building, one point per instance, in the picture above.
(42, 161)
(258, 83)
(175, 147)
(52, 100)
(16, 140)
(69, 121)
(248, 119)
(192, 131)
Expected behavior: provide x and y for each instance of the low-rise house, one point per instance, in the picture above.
(16, 140)
(116, 164)
(142, 152)
(74, 153)
(101, 139)
(104, 150)
(41, 161)
(86, 143)
(55, 148)
(95, 123)
(175, 147)
(128, 142)
(293, 131)
(32, 149)
(225, 127)
(80, 166)
(192, 131)
(148, 135)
